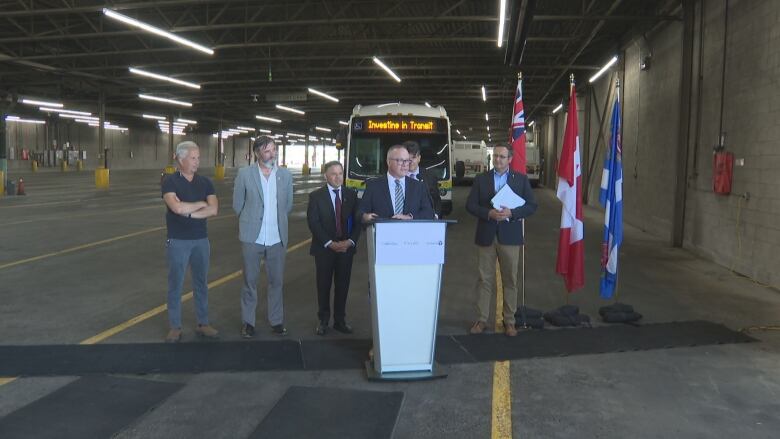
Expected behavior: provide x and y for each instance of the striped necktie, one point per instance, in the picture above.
(399, 198)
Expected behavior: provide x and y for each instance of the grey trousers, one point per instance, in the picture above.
(274, 269)
(195, 254)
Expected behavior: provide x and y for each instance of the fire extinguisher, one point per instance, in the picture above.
(722, 169)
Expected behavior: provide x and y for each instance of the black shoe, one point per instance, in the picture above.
(247, 331)
(322, 328)
(279, 329)
(343, 327)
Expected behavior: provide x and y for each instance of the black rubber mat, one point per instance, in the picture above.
(350, 353)
(335, 354)
(615, 338)
(91, 407)
(150, 358)
(314, 412)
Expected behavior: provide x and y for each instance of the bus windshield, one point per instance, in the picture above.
(368, 151)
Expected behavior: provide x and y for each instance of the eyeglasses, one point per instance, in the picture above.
(499, 156)
(401, 161)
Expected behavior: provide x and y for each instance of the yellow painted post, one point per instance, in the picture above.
(64, 166)
(101, 178)
(305, 170)
(34, 165)
(219, 172)
(79, 165)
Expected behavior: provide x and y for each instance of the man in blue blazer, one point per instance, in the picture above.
(499, 235)
(395, 195)
(333, 222)
(262, 200)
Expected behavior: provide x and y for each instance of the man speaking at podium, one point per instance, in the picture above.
(396, 196)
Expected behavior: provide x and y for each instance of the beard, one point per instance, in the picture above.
(268, 163)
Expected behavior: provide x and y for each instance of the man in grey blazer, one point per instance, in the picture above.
(262, 199)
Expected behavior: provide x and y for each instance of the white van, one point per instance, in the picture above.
(469, 159)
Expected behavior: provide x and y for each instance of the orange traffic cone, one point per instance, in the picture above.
(20, 187)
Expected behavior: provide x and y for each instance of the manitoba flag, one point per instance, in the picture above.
(571, 249)
(517, 133)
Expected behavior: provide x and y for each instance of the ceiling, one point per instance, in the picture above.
(270, 52)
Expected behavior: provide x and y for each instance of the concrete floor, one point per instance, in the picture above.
(100, 261)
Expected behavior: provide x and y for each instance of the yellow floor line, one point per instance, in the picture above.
(162, 308)
(155, 311)
(501, 421)
(92, 244)
(501, 418)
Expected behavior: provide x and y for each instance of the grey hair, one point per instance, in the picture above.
(395, 147)
(184, 148)
(333, 163)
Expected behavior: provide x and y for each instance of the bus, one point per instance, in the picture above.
(470, 159)
(373, 129)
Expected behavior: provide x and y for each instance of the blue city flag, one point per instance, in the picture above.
(611, 197)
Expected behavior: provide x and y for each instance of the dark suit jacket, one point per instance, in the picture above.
(321, 217)
(432, 183)
(376, 199)
(478, 204)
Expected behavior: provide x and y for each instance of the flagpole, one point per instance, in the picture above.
(522, 268)
(571, 90)
(617, 96)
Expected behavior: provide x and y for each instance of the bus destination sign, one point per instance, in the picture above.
(397, 125)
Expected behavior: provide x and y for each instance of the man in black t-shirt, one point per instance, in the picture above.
(190, 199)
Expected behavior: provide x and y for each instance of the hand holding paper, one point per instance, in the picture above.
(506, 197)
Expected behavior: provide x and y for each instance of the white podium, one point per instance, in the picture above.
(405, 260)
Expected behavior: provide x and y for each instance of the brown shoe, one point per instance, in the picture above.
(206, 331)
(510, 330)
(174, 336)
(478, 327)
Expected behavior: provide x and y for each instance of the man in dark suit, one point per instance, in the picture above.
(332, 218)
(395, 195)
(423, 175)
(499, 234)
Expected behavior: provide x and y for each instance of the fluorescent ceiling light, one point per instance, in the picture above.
(387, 69)
(157, 31)
(323, 129)
(20, 120)
(484, 94)
(313, 138)
(501, 19)
(486, 117)
(42, 103)
(558, 108)
(296, 135)
(488, 127)
(603, 69)
(264, 131)
(164, 78)
(269, 119)
(458, 131)
(531, 123)
(85, 121)
(77, 116)
(464, 138)
(60, 110)
(428, 105)
(324, 95)
(152, 116)
(194, 122)
(290, 109)
(245, 128)
(165, 100)
(341, 122)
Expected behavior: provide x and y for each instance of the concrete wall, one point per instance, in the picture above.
(726, 229)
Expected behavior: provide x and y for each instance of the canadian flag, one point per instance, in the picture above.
(571, 249)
